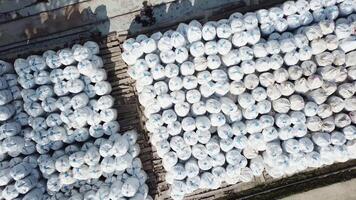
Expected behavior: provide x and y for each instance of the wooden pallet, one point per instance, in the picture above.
(261, 188)
(122, 89)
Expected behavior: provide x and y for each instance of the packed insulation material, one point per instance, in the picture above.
(20, 177)
(75, 141)
(106, 168)
(18, 173)
(271, 90)
(13, 118)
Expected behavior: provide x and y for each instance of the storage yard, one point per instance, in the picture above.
(32, 27)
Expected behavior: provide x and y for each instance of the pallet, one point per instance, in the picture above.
(126, 102)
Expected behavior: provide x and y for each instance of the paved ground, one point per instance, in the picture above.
(339, 191)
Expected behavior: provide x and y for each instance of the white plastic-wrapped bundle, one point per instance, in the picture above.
(273, 92)
(20, 66)
(280, 24)
(280, 75)
(103, 88)
(86, 67)
(81, 53)
(71, 72)
(42, 77)
(347, 44)
(130, 187)
(239, 39)
(148, 45)
(223, 30)
(26, 81)
(197, 49)
(330, 87)
(53, 61)
(92, 46)
(194, 32)
(263, 64)
(259, 94)
(350, 58)
(5, 67)
(66, 56)
(208, 31)
(5, 97)
(224, 46)
(232, 57)
(213, 62)
(10, 192)
(36, 63)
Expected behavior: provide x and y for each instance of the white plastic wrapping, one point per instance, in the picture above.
(57, 94)
(290, 91)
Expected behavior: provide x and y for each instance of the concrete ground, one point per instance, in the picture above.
(338, 191)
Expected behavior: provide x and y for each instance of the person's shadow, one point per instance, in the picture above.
(57, 23)
(165, 16)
